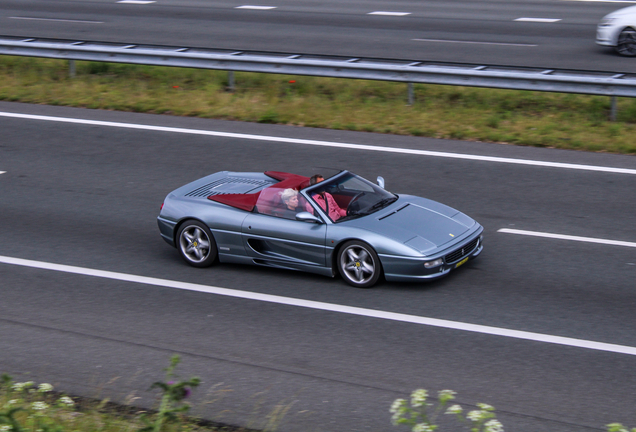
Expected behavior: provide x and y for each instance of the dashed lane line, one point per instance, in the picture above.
(387, 13)
(255, 7)
(384, 149)
(331, 307)
(567, 237)
(539, 20)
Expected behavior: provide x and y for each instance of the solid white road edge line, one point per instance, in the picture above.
(474, 42)
(567, 237)
(57, 20)
(323, 143)
(2, 172)
(351, 310)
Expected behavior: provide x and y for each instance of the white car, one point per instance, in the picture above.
(618, 30)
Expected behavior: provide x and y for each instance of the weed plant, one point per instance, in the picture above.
(555, 120)
(29, 407)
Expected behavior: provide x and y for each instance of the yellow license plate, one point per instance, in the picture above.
(461, 262)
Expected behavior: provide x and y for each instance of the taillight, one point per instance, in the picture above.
(161, 208)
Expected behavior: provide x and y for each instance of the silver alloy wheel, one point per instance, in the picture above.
(359, 264)
(627, 42)
(194, 244)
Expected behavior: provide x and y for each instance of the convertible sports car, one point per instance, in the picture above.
(343, 225)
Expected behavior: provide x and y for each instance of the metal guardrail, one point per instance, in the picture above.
(562, 81)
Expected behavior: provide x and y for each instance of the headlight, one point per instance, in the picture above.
(435, 263)
(606, 22)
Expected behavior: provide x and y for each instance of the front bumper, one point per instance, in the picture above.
(406, 269)
(605, 36)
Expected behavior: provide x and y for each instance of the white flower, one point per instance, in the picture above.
(493, 425)
(475, 415)
(397, 405)
(447, 394)
(454, 409)
(418, 397)
(18, 386)
(485, 407)
(45, 387)
(5, 428)
(39, 406)
(14, 401)
(423, 427)
(66, 401)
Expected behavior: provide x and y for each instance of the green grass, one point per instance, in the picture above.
(554, 120)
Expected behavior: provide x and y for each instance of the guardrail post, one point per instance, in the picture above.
(410, 93)
(613, 109)
(71, 68)
(230, 81)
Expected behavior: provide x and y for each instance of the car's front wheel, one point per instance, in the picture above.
(358, 264)
(627, 42)
(196, 244)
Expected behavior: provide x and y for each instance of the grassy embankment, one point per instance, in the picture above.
(540, 119)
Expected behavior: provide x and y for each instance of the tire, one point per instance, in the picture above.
(626, 44)
(358, 264)
(196, 244)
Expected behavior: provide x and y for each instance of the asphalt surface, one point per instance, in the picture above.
(465, 31)
(87, 195)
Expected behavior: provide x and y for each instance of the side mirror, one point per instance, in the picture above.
(380, 181)
(307, 217)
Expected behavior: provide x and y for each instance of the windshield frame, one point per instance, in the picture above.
(373, 195)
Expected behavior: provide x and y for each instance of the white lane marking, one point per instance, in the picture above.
(605, 1)
(384, 149)
(567, 237)
(58, 20)
(142, 2)
(2, 172)
(331, 307)
(255, 7)
(474, 42)
(539, 20)
(386, 13)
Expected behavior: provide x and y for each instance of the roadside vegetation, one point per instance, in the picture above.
(31, 407)
(565, 121)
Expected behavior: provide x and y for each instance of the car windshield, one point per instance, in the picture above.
(349, 196)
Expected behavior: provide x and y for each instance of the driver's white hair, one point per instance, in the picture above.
(287, 194)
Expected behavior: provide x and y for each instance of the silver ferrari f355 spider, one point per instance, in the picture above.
(343, 225)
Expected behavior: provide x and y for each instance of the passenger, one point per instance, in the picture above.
(326, 201)
(290, 200)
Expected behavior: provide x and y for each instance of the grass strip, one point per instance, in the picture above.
(554, 120)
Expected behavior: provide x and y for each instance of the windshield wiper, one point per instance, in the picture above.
(382, 203)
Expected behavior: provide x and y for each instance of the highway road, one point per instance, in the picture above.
(536, 33)
(93, 301)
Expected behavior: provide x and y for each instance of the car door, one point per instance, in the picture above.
(284, 241)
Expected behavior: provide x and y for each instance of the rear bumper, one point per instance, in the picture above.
(166, 229)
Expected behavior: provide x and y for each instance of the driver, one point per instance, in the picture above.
(326, 201)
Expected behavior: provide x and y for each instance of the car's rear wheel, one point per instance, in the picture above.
(358, 264)
(196, 244)
(627, 42)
